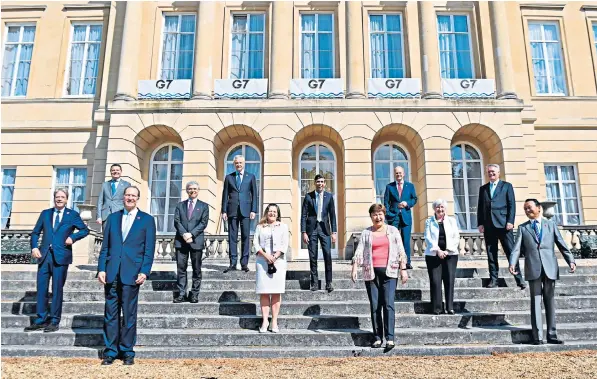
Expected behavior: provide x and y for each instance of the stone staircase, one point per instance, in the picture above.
(224, 323)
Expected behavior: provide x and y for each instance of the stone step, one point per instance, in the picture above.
(216, 273)
(181, 321)
(289, 337)
(306, 308)
(304, 295)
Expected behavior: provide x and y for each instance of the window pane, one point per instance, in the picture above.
(176, 172)
(159, 172)
(158, 188)
(551, 173)
(325, 22)
(457, 170)
(471, 152)
(393, 23)
(398, 153)
(9, 175)
(325, 154)
(257, 23)
(376, 22)
(308, 22)
(460, 24)
(309, 154)
(251, 154)
(456, 152)
(62, 176)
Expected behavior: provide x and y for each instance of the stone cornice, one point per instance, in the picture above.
(23, 8)
(543, 6)
(85, 6)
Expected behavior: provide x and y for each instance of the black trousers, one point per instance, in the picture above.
(382, 293)
(318, 235)
(182, 262)
(245, 235)
(441, 270)
(506, 238)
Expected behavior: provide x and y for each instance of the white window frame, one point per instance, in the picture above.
(561, 183)
(68, 186)
(391, 163)
(161, 56)
(316, 32)
(246, 47)
(385, 42)
(88, 25)
(9, 185)
(21, 25)
(453, 52)
(169, 162)
(548, 68)
(465, 179)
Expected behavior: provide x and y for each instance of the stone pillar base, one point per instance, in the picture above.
(278, 95)
(124, 96)
(201, 96)
(507, 95)
(432, 95)
(356, 95)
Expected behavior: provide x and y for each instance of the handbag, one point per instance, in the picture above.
(271, 268)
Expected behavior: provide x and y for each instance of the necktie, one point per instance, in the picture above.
(536, 229)
(400, 189)
(190, 209)
(238, 180)
(113, 187)
(126, 226)
(56, 220)
(492, 189)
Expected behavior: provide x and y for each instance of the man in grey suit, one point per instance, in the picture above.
(536, 238)
(112, 194)
(190, 220)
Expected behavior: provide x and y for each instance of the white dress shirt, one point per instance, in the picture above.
(127, 221)
(319, 204)
(60, 215)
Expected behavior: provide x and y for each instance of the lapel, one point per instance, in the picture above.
(50, 218)
(544, 226)
(234, 181)
(64, 216)
(498, 188)
(134, 226)
(532, 231)
(394, 189)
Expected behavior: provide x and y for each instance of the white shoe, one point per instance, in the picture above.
(275, 330)
(263, 329)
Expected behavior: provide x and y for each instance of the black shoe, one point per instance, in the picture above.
(194, 299)
(245, 268)
(128, 361)
(107, 361)
(329, 288)
(451, 312)
(522, 286)
(437, 313)
(35, 327)
(51, 328)
(179, 299)
(492, 285)
(537, 342)
(230, 268)
(408, 266)
(555, 341)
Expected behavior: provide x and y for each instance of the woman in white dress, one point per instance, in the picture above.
(270, 243)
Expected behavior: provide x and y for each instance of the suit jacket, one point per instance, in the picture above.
(70, 221)
(391, 200)
(432, 236)
(196, 225)
(309, 214)
(243, 199)
(108, 203)
(499, 210)
(540, 254)
(131, 256)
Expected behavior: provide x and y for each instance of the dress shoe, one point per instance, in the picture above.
(437, 313)
(329, 288)
(492, 285)
(179, 299)
(555, 341)
(230, 268)
(314, 287)
(107, 361)
(275, 330)
(245, 268)
(34, 327)
(451, 312)
(537, 342)
(51, 328)
(522, 286)
(194, 299)
(128, 361)
(408, 266)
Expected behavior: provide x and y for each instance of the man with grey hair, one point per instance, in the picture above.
(55, 254)
(190, 220)
(496, 212)
(239, 206)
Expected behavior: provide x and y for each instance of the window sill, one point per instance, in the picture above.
(23, 100)
(562, 97)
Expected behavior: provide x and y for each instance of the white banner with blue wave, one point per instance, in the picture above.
(394, 88)
(240, 88)
(164, 89)
(468, 88)
(317, 88)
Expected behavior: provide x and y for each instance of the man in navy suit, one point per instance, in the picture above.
(190, 220)
(399, 198)
(496, 212)
(239, 206)
(318, 223)
(54, 257)
(124, 264)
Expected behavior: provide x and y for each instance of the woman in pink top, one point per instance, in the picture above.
(380, 254)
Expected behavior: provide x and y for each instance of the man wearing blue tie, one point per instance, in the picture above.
(124, 264)
(110, 199)
(399, 198)
(239, 206)
(54, 256)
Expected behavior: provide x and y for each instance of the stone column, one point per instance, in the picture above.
(430, 68)
(355, 68)
(504, 73)
(280, 62)
(202, 73)
(129, 52)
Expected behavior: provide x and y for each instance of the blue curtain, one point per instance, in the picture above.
(8, 181)
(454, 46)
(76, 59)
(378, 69)
(92, 62)
(23, 60)
(256, 45)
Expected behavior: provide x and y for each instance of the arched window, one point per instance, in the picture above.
(253, 166)
(165, 180)
(467, 177)
(385, 159)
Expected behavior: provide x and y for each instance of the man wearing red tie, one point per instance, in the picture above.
(399, 198)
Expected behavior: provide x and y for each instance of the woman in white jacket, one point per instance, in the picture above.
(441, 256)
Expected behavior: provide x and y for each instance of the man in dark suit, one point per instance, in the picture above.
(55, 255)
(318, 224)
(400, 196)
(112, 194)
(536, 238)
(190, 220)
(124, 264)
(239, 206)
(495, 216)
